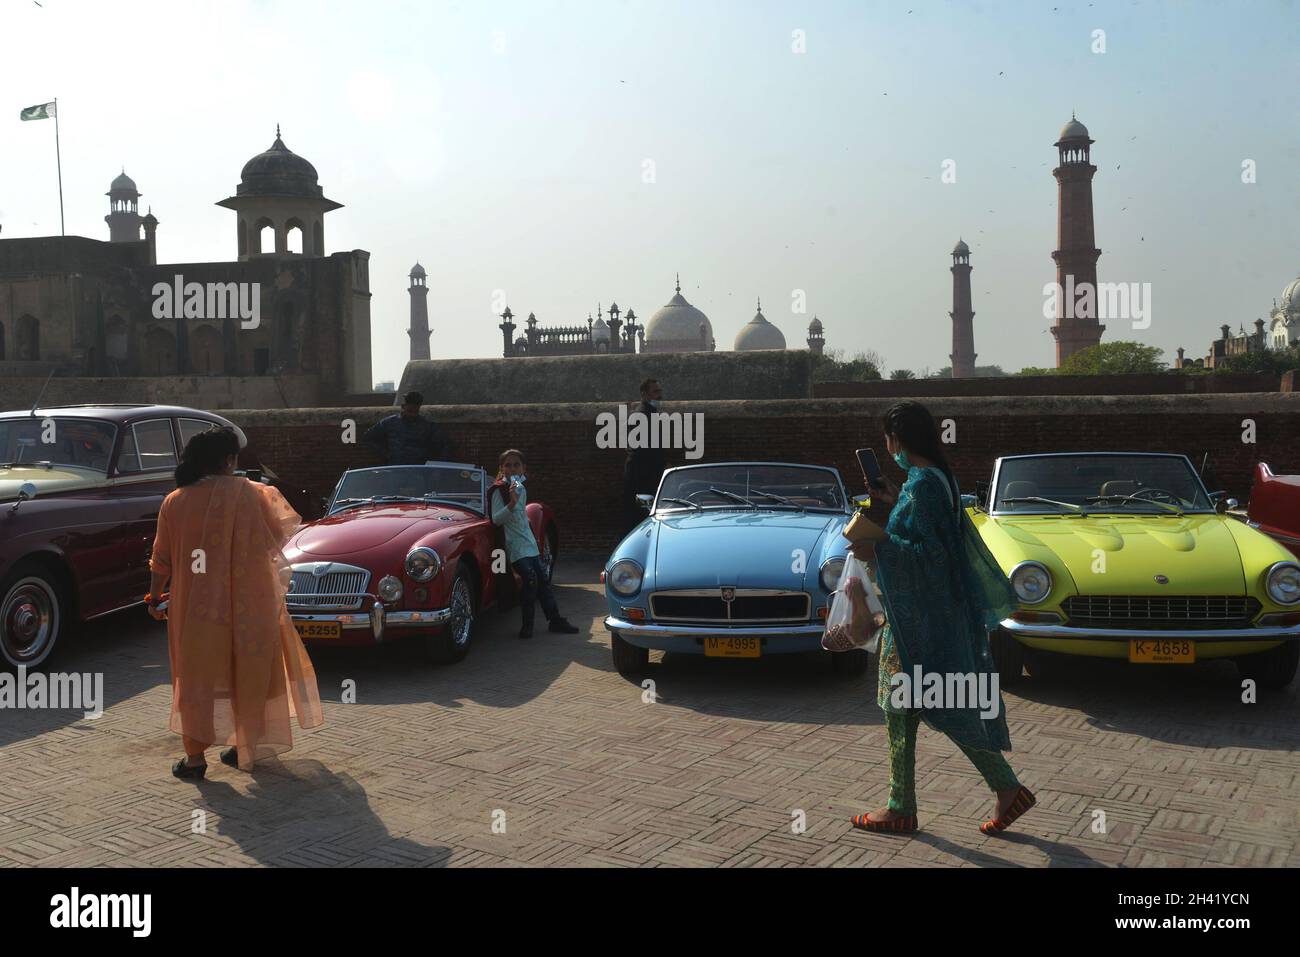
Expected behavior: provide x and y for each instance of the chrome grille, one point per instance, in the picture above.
(1142, 611)
(748, 606)
(342, 588)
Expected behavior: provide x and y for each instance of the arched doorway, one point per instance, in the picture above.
(159, 353)
(206, 351)
(28, 339)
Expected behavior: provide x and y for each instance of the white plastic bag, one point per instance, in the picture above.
(856, 616)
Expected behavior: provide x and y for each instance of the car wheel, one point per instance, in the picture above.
(1009, 656)
(851, 663)
(549, 551)
(454, 642)
(629, 660)
(33, 615)
(1272, 670)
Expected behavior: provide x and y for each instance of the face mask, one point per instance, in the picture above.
(653, 403)
(903, 461)
(517, 479)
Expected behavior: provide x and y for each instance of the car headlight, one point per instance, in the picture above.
(390, 589)
(1032, 582)
(1283, 583)
(624, 577)
(832, 569)
(422, 564)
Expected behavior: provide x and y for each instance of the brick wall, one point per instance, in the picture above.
(583, 483)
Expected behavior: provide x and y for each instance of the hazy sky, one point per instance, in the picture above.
(504, 145)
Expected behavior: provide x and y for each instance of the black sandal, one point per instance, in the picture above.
(189, 772)
(230, 757)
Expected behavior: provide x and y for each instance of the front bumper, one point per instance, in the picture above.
(689, 639)
(377, 620)
(1020, 629)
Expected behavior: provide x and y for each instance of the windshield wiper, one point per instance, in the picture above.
(1045, 501)
(733, 496)
(1133, 500)
(694, 505)
(779, 498)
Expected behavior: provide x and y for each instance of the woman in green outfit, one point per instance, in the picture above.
(943, 592)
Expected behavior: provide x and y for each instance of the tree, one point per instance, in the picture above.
(1036, 370)
(1275, 361)
(981, 372)
(902, 374)
(1115, 358)
(831, 367)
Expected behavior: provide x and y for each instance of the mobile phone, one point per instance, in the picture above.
(871, 468)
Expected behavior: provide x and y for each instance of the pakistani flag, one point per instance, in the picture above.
(42, 111)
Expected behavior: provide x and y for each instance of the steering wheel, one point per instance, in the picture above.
(1142, 492)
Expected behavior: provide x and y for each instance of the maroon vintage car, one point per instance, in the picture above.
(80, 488)
(406, 550)
(1275, 506)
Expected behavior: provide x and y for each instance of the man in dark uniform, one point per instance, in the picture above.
(406, 438)
(644, 467)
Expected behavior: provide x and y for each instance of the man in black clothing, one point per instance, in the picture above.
(644, 467)
(406, 438)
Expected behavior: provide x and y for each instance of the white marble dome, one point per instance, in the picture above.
(758, 334)
(1074, 130)
(1290, 301)
(676, 327)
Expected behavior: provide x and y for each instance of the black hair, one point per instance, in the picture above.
(912, 425)
(648, 384)
(206, 454)
(412, 398)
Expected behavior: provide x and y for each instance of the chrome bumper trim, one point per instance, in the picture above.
(712, 631)
(1022, 629)
(378, 619)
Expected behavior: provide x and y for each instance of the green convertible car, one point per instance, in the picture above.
(1128, 555)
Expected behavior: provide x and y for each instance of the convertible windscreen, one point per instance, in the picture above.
(411, 483)
(757, 486)
(81, 442)
(1099, 483)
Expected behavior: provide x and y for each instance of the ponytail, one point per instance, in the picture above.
(206, 454)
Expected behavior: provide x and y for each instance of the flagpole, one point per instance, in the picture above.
(58, 160)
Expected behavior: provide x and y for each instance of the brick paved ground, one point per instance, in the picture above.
(588, 774)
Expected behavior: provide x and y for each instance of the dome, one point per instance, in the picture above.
(759, 334)
(815, 326)
(600, 331)
(1074, 130)
(961, 249)
(123, 182)
(676, 327)
(278, 172)
(417, 272)
(1291, 297)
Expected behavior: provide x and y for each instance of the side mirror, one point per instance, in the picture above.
(644, 500)
(26, 492)
(862, 501)
(1224, 505)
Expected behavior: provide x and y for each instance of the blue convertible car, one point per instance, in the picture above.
(736, 560)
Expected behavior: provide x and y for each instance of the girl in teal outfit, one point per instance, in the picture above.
(943, 592)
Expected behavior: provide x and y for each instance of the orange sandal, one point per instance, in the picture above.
(906, 824)
(1024, 801)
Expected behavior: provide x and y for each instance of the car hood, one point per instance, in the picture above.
(361, 529)
(1197, 553)
(60, 478)
(747, 549)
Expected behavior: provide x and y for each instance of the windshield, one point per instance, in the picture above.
(60, 441)
(398, 483)
(1099, 483)
(751, 486)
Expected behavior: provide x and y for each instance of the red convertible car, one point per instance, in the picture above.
(406, 550)
(80, 488)
(1275, 506)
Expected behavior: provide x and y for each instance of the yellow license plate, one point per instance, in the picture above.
(732, 647)
(320, 629)
(1162, 651)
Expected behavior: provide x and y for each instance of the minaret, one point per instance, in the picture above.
(1076, 252)
(816, 340)
(507, 328)
(123, 210)
(419, 331)
(150, 223)
(962, 316)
